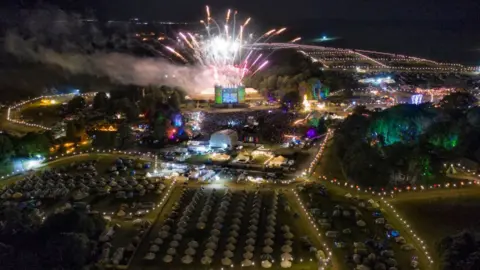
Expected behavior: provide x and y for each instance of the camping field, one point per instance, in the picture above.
(225, 228)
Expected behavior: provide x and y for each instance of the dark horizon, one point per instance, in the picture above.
(438, 30)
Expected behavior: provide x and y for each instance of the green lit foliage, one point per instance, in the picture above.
(446, 141)
(314, 122)
(403, 144)
(401, 124)
(426, 166)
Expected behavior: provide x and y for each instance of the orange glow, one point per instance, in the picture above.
(48, 101)
(69, 144)
(299, 121)
(108, 129)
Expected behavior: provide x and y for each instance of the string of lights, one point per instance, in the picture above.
(433, 69)
(319, 153)
(408, 228)
(369, 56)
(21, 104)
(311, 219)
(402, 221)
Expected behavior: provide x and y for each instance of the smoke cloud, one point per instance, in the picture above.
(80, 57)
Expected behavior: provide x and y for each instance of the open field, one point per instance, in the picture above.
(40, 114)
(13, 128)
(329, 165)
(45, 112)
(436, 217)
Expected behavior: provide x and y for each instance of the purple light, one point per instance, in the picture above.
(311, 133)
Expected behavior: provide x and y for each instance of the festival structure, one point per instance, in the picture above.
(226, 139)
(234, 94)
(226, 53)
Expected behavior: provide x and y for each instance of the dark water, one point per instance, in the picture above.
(449, 41)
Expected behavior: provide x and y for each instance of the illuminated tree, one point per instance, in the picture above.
(443, 135)
(402, 123)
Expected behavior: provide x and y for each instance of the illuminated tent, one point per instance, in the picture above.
(227, 139)
(278, 161)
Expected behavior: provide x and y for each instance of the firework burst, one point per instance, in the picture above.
(224, 48)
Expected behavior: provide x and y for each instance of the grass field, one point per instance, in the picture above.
(329, 165)
(437, 217)
(43, 115)
(12, 128)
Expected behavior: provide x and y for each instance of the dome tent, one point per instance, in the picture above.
(224, 139)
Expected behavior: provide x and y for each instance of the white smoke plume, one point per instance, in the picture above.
(82, 59)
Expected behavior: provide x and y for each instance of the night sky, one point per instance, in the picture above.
(445, 30)
(277, 11)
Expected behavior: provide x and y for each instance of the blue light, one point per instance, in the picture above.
(177, 121)
(394, 233)
(324, 38)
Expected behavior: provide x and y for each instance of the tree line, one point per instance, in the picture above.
(408, 144)
(67, 240)
(29, 145)
(460, 251)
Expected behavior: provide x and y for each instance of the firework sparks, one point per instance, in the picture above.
(256, 60)
(246, 22)
(269, 32)
(295, 39)
(208, 13)
(260, 67)
(176, 53)
(280, 31)
(186, 40)
(228, 16)
(224, 50)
